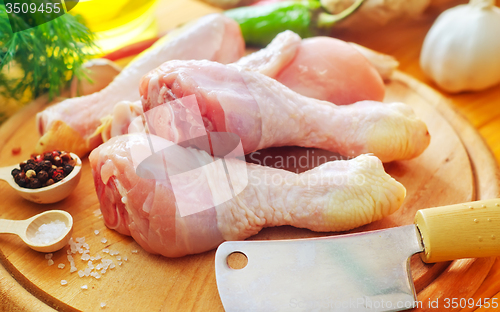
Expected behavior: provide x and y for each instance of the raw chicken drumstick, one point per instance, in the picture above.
(323, 68)
(265, 113)
(76, 124)
(335, 196)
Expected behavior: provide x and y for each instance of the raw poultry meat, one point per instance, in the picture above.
(338, 74)
(75, 124)
(323, 68)
(335, 196)
(265, 113)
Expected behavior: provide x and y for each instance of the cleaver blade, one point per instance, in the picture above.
(366, 271)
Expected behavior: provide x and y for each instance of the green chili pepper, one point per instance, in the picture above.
(260, 24)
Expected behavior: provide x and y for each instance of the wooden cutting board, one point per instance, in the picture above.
(457, 167)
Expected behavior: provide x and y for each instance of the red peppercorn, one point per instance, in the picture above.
(58, 177)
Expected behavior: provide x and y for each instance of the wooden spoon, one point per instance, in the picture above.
(47, 194)
(27, 229)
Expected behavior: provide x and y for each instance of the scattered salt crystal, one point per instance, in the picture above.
(118, 258)
(49, 232)
(96, 232)
(72, 245)
(105, 250)
(73, 269)
(85, 257)
(86, 246)
(135, 251)
(104, 241)
(125, 258)
(61, 265)
(103, 271)
(87, 271)
(81, 273)
(97, 212)
(50, 262)
(48, 256)
(86, 251)
(70, 258)
(68, 251)
(119, 263)
(113, 253)
(64, 282)
(112, 266)
(84, 287)
(97, 276)
(97, 257)
(80, 240)
(103, 304)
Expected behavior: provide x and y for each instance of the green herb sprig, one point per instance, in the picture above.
(50, 55)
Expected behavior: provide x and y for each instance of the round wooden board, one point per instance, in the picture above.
(457, 167)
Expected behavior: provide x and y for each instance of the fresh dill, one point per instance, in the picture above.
(48, 55)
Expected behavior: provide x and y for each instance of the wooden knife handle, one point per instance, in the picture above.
(469, 230)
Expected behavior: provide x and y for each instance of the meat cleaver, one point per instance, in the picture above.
(367, 271)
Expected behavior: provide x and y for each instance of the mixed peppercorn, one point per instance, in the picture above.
(44, 169)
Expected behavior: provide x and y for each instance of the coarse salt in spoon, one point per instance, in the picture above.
(48, 231)
(47, 194)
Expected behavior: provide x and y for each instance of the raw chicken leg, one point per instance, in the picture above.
(335, 196)
(265, 113)
(75, 124)
(323, 68)
(338, 74)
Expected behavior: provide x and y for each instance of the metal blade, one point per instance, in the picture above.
(356, 272)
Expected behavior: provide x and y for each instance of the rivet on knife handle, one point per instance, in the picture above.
(470, 230)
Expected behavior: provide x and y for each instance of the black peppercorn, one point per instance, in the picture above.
(49, 182)
(30, 161)
(43, 176)
(57, 161)
(46, 165)
(47, 156)
(39, 167)
(15, 172)
(35, 183)
(66, 157)
(29, 167)
(22, 182)
(67, 169)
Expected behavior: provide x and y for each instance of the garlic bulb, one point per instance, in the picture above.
(461, 51)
